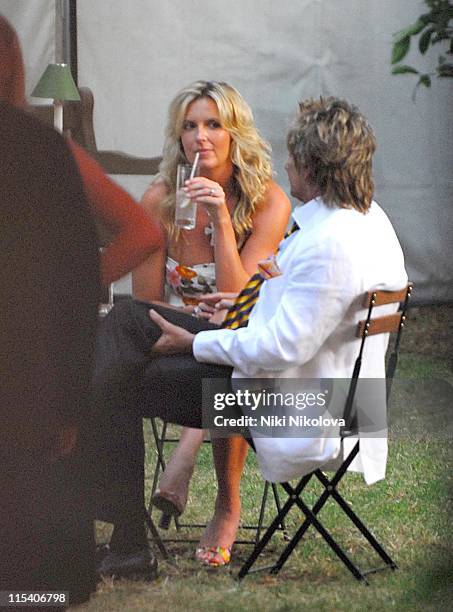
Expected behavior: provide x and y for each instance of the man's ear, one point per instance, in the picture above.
(307, 175)
(312, 188)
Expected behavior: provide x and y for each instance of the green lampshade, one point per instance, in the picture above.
(56, 83)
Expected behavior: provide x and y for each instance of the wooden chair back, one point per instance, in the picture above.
(393, 323)
(78, 124)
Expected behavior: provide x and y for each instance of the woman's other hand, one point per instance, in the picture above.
(218, 304)
(220, 299)
(200, 310)
(219, 316)
(214, 306)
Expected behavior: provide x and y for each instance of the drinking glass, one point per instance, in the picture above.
(185, 210)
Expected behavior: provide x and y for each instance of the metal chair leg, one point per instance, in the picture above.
(159, 440)
(160, 464)
(330, 491)
(278, 506)
(358, 523)
(246, 568)
(155, 534)
(262, 510)
(311, 519)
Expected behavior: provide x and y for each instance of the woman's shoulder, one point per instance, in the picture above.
(274, 203)
(276, 195)
(269, 220)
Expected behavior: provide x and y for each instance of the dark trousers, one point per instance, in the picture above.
(130, 383)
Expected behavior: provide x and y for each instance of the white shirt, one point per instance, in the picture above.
(304, 322)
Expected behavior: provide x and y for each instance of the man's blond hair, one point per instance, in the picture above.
(334, 141)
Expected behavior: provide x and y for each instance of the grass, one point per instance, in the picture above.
(409, 512)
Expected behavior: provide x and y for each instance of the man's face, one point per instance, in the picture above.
(298, 180)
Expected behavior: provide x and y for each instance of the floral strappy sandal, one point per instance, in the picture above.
(213, 556)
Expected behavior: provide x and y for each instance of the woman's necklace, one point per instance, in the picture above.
(209, 231)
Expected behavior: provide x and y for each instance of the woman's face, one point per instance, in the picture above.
(202, 132)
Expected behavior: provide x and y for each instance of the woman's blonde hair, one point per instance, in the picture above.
(336, 143)
(249, 153)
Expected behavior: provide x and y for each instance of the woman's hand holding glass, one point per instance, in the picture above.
(209, 193)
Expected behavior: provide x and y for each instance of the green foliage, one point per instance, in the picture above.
(403, 69)
(400, 49)
(433, 27)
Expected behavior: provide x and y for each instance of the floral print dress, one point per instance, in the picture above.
(187, 285)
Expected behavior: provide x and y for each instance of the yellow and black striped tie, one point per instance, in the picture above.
(239, 313)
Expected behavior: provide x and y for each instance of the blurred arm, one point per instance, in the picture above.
(135, 234)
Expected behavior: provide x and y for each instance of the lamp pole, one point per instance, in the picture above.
(58, 115)
(59, 32)
(61, 56)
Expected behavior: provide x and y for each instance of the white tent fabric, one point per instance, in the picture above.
(135, 56)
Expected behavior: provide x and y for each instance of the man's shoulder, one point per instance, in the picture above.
(343, 224)
(347, 234)
(29, 147)
(26, 135)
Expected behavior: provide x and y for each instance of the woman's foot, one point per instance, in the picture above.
(213, 557)
(171, 496)
(216, 542)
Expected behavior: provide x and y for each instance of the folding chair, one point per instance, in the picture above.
(369, 326)
(160, 437)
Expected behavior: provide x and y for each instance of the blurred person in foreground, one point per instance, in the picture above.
(135, 235)
(49, 274)
(50, 288)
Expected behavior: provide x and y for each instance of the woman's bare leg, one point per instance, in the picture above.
(229, 458)
(178, 472)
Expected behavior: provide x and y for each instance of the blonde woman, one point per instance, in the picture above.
(242, 215)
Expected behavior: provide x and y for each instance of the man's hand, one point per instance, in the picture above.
(174, 339)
